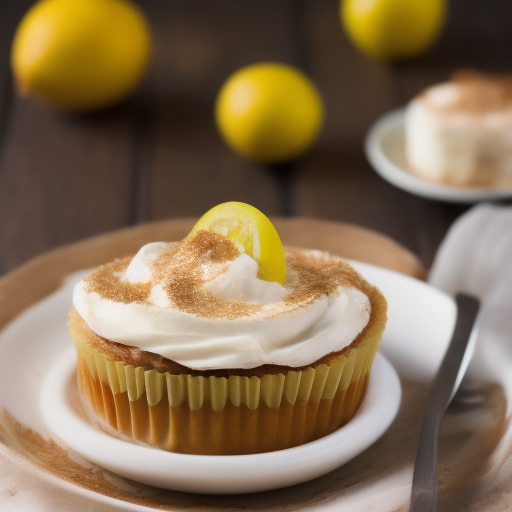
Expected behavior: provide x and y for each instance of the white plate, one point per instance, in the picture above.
(233, 474)
(384, 148)
(421, 319)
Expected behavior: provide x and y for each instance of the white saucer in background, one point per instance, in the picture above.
(384, 148)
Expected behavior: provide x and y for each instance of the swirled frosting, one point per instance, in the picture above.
(199, 303)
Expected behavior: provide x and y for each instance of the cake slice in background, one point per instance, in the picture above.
(460, 132)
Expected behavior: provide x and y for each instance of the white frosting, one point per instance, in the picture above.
(457, 146)
(275, 334)
(239, 282)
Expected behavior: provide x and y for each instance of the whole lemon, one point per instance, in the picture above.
(392, 29)
(81, 54)
(269, 112)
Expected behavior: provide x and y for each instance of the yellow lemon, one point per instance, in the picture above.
(392, 29)
(81, 54)
(269, 112)
(252, 233)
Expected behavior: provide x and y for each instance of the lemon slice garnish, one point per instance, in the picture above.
(252, 233)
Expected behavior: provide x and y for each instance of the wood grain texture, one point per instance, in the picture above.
(335, 181)
(61, 178)
(11, 13)
(159, 155)
(198, 45)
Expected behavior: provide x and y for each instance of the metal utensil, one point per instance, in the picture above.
(446, 382)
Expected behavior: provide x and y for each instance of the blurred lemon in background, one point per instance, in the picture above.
(269, 112)
(392, 29)
(81, 54)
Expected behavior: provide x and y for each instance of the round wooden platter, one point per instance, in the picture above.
(48, 470)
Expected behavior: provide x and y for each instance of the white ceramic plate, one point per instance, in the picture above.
(421, 319)
(384, 148)
(220, 474)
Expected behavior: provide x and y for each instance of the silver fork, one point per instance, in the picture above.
(446, 382)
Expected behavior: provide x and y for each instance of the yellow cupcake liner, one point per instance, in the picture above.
(217, 415)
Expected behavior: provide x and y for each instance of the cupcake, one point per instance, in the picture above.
(460, 132)
(225, 343)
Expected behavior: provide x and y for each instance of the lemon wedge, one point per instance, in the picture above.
(252, 233)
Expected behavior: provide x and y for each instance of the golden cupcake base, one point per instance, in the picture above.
(224, 416)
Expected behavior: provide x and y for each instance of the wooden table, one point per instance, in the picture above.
(159, 155)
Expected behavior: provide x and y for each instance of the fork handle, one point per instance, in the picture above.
(424, 482)
(424, 487)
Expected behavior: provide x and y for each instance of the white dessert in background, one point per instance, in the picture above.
(460, 132)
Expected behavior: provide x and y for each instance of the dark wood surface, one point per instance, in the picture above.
(158, 155)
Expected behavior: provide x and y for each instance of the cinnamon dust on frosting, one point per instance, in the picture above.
(185, 268)
(472, 92)
(105, 281)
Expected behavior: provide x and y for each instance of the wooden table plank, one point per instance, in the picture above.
(474, 37)
(339, 185)
(160, 155)
(62, 178)
(335, 181)
(197, 46)
(11, 14)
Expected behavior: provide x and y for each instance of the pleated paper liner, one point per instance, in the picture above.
(224, 416)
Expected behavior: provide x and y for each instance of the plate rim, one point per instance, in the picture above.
(404, 180)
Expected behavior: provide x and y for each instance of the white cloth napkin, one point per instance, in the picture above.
(476, 258)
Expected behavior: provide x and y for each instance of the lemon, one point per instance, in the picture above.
(81, 54)
(252, 233)
(269, 112)
(392, 29)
